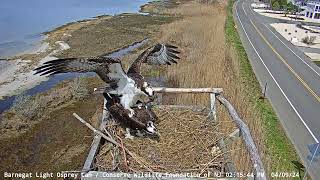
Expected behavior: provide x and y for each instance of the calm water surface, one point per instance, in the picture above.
(23, 21)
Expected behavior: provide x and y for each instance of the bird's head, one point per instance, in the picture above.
(151, 129)
(146, 88)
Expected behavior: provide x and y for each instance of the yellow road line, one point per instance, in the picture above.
(285, 62)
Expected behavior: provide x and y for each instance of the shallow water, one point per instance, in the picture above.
(4, 64)
(55, 79)
(23, 22)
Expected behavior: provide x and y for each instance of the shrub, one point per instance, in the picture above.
(276, 5)
(309, 39)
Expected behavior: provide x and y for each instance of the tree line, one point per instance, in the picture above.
(284, 5)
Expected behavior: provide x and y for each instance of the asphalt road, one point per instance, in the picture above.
(293, 80)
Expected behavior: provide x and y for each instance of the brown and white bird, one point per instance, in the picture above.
(130, 86)
(143, 120)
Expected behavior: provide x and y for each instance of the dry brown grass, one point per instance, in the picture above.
(207, 62)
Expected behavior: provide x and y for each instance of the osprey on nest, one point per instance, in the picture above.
(129, 86)
(143, 120)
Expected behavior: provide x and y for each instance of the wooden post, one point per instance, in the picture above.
(96, 141)
(265, 90)
(232, 136)
(213, 113)
(245, 133)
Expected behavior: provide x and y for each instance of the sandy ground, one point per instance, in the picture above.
(312, 28)
(17, 75)
(314, 56)
(295, 36)
(41, 47)
(281, 16)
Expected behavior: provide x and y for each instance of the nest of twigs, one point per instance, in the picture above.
(188, 143)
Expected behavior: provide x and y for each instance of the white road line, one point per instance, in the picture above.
(287, 46)
(295, 110)
(293, 51)
(243, 9)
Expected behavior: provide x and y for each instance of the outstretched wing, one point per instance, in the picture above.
(109, 69)
(159, 54)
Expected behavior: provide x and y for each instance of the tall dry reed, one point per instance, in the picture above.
(207, 62)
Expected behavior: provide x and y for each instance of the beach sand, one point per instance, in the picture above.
(280, 15)
(291, 32)
(18, 74)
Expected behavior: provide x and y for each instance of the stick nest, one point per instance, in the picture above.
(187, 143)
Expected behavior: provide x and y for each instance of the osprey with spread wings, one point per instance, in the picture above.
(129, 86)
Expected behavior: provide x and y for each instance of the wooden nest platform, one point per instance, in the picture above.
(187, 143)
(188, 146)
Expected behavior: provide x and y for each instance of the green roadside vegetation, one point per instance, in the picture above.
(278, 147)
(284, 5)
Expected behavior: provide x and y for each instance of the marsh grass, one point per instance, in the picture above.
(28, 110)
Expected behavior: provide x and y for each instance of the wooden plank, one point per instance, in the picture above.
(187, 90)
(96, 142)
(232, 136)
(93, 151)
(246, 135)
(179, 107)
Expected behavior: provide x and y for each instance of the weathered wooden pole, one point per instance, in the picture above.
(245, 133)
(213, 111)
(187, 90)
